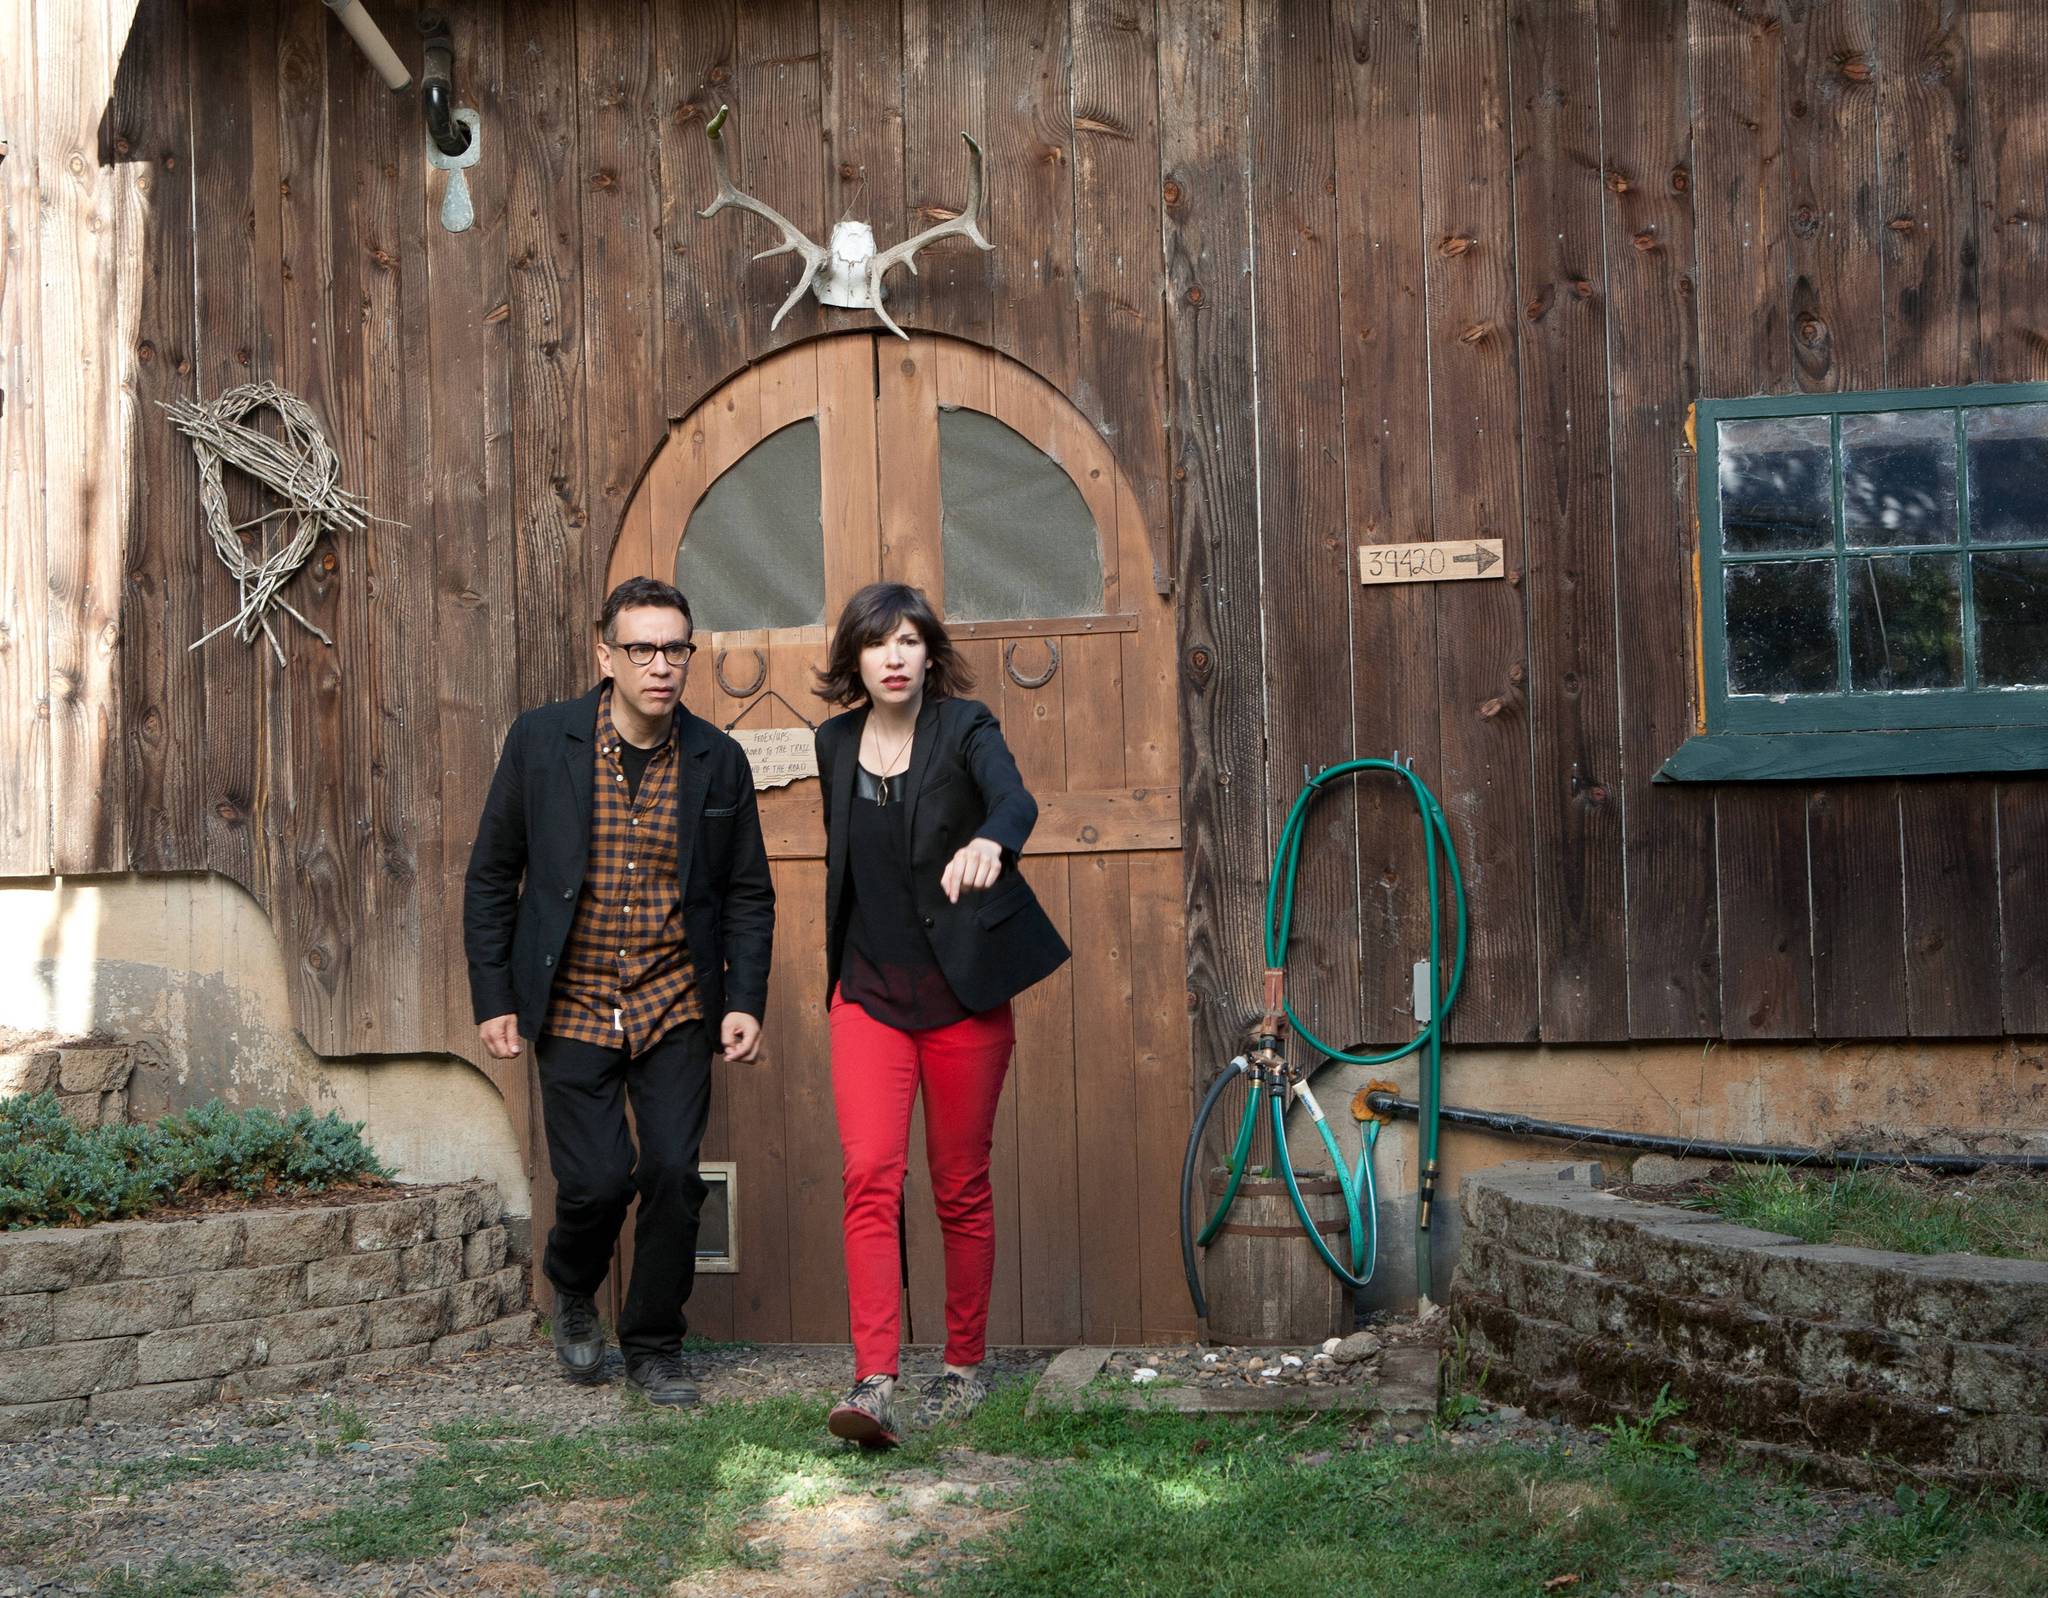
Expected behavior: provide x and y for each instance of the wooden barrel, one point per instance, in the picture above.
(1264, 1279)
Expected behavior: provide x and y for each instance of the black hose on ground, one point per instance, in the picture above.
(1512, 1125)
(1189, 1162)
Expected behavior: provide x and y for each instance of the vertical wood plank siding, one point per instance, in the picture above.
(1483, 645)
(2008, 43)
(1948, 829)
(1672, 928)
(25, 549)
(1387, 479)
(162, 679)
(1360, 272)
(1739, 68)
(1836, 336)
(1560, 258)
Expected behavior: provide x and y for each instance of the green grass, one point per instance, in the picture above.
(678, 1485)
(698, 1343)
(173, 1578)
(1121, 1502)
(1989, 1214)
(349, 1425)
(219, 1460)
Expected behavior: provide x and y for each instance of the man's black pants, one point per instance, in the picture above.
(583, 1101)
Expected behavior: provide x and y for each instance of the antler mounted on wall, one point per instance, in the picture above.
(848, 270)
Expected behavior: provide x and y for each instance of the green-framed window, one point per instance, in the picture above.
(1873, 584)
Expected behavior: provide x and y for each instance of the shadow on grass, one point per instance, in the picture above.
(1115, 1502)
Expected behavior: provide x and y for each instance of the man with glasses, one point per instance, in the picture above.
(618, 901)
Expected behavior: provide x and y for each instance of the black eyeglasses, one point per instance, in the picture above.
(643, 654)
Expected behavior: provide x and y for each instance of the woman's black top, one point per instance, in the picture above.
(889, 970)
(963, 784)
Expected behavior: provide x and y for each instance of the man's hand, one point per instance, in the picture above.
(740, 1033)
(501, 1037)
(979, 863)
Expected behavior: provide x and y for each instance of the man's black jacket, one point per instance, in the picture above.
(536, 826)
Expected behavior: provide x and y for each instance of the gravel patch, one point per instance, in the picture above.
(1335, 1362)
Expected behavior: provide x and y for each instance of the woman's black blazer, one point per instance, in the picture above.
(962, 783)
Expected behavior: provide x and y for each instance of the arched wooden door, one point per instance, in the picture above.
(914, 481)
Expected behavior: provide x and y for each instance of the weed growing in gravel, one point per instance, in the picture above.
(1632, 1441)
(698, 1343)
(484, 1428)
(173, 1578)
(219, 1460)
(349, 1425)
(1944, 1539)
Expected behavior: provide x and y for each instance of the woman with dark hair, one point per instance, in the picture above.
(930, 930)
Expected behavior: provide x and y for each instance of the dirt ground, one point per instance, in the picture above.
(93, 1506)
(99, 1509)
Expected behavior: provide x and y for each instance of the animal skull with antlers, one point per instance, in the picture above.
(847, 270)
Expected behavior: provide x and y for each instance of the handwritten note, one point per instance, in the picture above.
(779, 755)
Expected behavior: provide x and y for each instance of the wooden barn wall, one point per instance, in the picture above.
(1321, 274)
(1458, 269)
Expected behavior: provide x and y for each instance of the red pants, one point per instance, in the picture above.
(877, 1071)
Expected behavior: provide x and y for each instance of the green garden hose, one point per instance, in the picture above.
(1273, 1081)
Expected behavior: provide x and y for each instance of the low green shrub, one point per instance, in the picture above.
(55, 1172)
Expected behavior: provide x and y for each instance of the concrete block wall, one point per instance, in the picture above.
(140, 1319)
(1855, 1365)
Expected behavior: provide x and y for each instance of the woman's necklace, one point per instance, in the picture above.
(882, 797)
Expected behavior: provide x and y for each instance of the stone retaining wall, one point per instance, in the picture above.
(140, 1319)
(91, 1083)
(1860, 1366)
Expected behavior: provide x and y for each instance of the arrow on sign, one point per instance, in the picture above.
(1431, 561)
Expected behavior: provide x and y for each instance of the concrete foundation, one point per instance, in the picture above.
(187, 969)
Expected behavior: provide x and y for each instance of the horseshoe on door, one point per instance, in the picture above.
(754, 687)
(1052, 664)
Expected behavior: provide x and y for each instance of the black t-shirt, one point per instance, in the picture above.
(633, 761)
(889, 970)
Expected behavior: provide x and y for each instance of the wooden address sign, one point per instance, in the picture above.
(1430, 563)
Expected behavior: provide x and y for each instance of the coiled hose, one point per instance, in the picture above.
(1272, 1085)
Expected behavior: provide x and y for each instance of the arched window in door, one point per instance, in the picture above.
(753, 551)
(1019, 539)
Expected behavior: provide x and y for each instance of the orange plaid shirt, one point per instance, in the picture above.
(625, 978)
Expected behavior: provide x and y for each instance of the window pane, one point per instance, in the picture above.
(1019, 538)
(1906, 622)
(1781, 627)
(1777, 484)
(2008, 473)
(1899, 477)
(2012, 618)
(753, 554)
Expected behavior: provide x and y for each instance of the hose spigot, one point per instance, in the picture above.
(1265, 1052)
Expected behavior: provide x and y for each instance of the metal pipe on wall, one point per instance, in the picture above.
(437, 85)
(370, 40)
